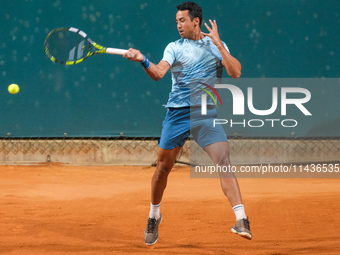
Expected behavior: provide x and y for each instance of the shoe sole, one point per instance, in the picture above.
(242, 234)
(152, 243)
(157, 230)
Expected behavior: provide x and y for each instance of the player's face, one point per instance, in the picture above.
(185, 25)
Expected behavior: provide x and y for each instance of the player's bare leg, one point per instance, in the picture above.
(165, 162)
(219, 153)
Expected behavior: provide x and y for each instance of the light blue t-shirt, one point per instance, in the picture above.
(192, 64)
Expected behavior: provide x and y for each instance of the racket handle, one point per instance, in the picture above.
(115, 51)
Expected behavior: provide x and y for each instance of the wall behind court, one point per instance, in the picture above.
(108, 95)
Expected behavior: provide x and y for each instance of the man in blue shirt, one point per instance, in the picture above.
(197, 58)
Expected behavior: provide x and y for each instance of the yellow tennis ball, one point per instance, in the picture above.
(13, 88)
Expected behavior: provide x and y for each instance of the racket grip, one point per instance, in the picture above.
(115, 51)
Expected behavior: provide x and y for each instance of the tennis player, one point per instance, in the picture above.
(196, 55)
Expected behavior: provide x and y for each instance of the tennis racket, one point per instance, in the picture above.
(70, 46)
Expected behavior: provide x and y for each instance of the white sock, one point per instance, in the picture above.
(239, 212)
(154, 211)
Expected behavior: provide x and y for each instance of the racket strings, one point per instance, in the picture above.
(67, 47)
(70, 46)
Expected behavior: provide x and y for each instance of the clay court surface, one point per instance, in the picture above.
(61, 209)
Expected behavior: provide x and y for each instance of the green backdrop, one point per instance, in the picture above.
(107, 95)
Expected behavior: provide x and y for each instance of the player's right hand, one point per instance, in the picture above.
(133, 55)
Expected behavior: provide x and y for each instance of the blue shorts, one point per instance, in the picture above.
(178, 125)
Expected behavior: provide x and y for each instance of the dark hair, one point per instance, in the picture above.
(194, 10)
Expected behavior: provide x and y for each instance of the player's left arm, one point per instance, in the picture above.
(230, 63)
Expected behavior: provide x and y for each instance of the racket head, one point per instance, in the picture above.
(69, 46)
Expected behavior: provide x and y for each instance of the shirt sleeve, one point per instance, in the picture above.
(169, 54)
(225, 46)
(216, 52)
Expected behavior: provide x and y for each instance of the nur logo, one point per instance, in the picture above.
(239, 100)
(204, 97)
